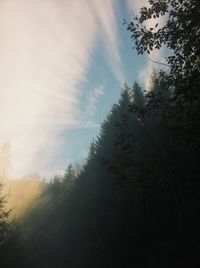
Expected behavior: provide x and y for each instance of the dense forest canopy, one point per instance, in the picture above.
(135, 201)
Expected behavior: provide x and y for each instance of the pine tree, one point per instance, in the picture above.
(6, 233)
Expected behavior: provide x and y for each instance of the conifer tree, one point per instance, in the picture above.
(7, 251)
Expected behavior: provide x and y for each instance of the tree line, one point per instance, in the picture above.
(135, 201)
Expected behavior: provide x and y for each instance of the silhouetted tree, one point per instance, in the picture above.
(180, 33)
(8, 238)
(135, 202)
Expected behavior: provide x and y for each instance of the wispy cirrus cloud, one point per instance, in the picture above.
(109, 34)
(93, 100)
(45, 51)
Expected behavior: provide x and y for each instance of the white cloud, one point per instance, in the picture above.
(93, 100)
(45, 50)
(106, 18)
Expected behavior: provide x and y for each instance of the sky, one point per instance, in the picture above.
(63, 64)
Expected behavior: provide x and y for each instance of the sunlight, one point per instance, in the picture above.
(42, 65)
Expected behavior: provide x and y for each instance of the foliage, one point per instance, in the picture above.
(22, 192)
(8, 237)
(128, 200)
(181, 34)
(4, 214)
(135, 202)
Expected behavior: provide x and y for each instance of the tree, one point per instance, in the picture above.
(4, 214)
(6, 234)
(176, 163)
(181, 34)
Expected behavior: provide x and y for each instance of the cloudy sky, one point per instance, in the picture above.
(62, 65)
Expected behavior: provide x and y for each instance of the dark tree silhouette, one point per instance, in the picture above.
(8, 236)
(135, 202)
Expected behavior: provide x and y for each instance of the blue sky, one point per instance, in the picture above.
(63, 64)
(100, 75)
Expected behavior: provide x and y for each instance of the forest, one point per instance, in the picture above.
(135, 202)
